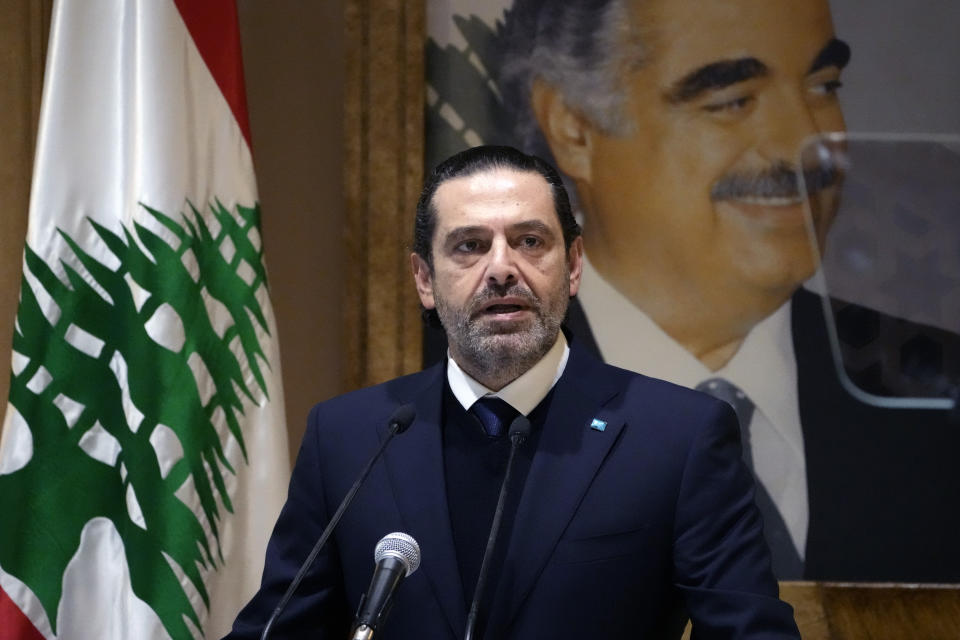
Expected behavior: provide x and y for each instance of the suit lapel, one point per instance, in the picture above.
(415, 465)
(568, 456)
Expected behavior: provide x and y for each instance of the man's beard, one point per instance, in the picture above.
(503, 352)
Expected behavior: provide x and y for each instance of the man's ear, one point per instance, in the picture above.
(575, 262)
(423, 279)
(568, 133)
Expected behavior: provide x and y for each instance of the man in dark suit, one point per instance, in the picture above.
(632, 507)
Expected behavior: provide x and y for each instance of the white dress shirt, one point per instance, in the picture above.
(764, 368)
(524, 393)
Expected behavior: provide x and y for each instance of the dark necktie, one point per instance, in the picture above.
(787, 564)
(494, 414)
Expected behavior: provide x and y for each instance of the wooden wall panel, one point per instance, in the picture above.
(851, 611)
(23, 41)
(383, 172)
(833, 611)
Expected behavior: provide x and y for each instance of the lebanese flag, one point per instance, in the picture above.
(143, 456)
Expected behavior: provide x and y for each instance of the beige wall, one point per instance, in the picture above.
(293, 54)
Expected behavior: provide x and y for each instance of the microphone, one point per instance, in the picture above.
(399, 421)
(397, 555)
(519, 430)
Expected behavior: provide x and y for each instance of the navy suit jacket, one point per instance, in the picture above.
(619, 531)
(882, 483)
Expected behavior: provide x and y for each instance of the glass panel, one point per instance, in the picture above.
(883, 214)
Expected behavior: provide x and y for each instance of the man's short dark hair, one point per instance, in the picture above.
(475, 160)
(582, 48)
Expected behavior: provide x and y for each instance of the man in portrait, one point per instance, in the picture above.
(680, 123)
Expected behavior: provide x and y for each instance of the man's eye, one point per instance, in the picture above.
(828, 88)
(531, 242)
(467, 246)
(729, 106)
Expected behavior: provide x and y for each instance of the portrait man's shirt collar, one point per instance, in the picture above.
(764, 368)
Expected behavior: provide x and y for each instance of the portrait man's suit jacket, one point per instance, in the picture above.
(617, 531)
(883, 483)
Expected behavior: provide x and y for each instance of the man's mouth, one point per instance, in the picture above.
(777, 198)
(769, 212)
(502, 308)
(771, 201)
(505, 308)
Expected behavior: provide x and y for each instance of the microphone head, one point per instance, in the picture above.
(519, 428)
(401, 419)
(401, 546)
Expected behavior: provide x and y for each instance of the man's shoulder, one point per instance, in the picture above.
(379, 398)
(654, 394)
(654, 417)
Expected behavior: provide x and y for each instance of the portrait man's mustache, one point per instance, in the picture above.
(779, 181)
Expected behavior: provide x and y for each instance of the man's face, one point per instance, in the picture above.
(501, 277)
(699, 194)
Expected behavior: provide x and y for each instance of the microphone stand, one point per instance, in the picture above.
(399, 422)
(519, 430)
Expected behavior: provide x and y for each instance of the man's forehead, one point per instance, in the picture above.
(490, 181)
(681, 36)
(491, 190)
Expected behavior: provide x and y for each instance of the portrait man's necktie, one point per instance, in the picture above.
(786, 561)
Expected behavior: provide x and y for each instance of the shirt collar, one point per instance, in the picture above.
(628, 338)
(765, 368)
(524, 393)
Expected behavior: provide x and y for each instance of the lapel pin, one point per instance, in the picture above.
(598, 424)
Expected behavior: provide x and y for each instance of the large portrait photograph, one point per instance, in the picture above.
(769, 195)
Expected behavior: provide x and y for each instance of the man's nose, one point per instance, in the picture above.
(501, 264)
(790, 121)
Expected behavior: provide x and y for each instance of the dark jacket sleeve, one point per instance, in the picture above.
(318, 609)
(721, 562)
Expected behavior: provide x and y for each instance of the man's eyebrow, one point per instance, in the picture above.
(715, 75)
(459, 233)
(532, 225)
(835, 53)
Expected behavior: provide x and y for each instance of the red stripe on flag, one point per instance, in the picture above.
(214, 27)
(13, 624)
